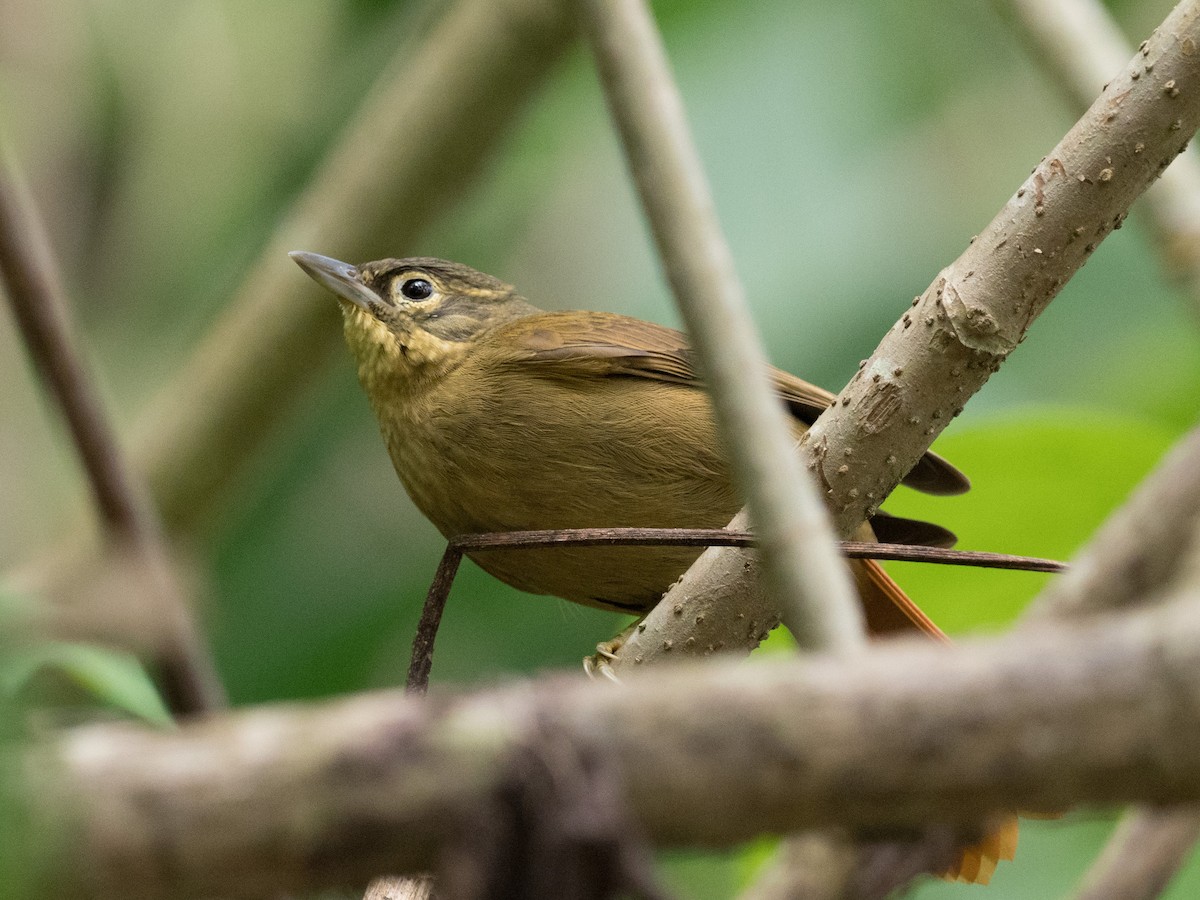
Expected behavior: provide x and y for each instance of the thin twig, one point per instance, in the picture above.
(722, 537)
(940, 556)
(431, 619)
(439, 590)
(187, 674)
(811, 584)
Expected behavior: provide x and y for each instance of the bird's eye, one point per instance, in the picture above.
(416, 288)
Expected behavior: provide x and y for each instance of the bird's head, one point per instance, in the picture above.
(405, 315)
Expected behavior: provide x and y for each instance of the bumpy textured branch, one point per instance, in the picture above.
(1081, 46)
(294, 798)
(978, 309)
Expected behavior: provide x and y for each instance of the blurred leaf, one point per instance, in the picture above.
(30, 831)
(1041, 485)
(25, 848)
(699, 875)
(115, 678)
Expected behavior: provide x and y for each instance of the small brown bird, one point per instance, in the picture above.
(502, 417)
(499, 416)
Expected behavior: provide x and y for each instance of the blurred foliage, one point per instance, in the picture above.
(853, 148)
(28, 832)
(79, 676)
(1040, 489)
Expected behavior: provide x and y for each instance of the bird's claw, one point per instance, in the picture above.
(599, 665)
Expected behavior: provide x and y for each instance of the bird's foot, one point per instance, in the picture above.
(599, 665)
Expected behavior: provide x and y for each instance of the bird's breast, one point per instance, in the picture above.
(498, 451)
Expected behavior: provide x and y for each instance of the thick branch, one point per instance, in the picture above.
(295, 798)
(961, 329)
(800, 560)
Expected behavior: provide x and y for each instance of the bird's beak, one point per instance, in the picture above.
(341, 278)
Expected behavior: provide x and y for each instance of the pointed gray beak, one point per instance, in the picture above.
(339, 277)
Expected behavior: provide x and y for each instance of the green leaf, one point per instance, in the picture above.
(1041, 486)
(115, 678)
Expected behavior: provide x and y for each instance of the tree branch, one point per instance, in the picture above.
(186, 671)
(1143, 854)
(807, 578)
(294, 798)
(39, 307)
(1081, 46)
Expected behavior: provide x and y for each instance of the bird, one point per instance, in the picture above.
(500, 416)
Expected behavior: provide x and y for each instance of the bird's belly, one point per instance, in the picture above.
(599, 465)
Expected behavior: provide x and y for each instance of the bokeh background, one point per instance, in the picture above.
(854, 148)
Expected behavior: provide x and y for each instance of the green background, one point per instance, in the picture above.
(853, 148)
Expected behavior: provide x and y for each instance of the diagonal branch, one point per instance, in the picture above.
(800, 560)
(37, 299)
(34, 290)
(1081, 45)
(1150, 844)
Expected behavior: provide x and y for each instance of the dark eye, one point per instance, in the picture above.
(416, 288)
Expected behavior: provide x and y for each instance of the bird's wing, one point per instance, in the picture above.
(587, 344)
(592, 343)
